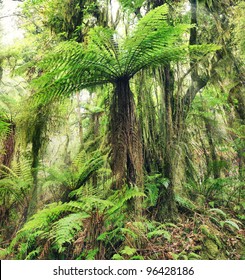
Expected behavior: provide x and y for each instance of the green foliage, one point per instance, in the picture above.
(15, 183)
(219, 218)
(88, 218)
(49, 224)
(65, 22)
(152, 185)
(4, 127)
(64, 230)
(71, 183)
(128, 251)
(160, 232)
(230, 223)
(185, 203)
(104, 59)
(8, 108)
(218, 211)
(60, 223)
(131, 6)
(217, 191)
(239, 23)
(45, 217)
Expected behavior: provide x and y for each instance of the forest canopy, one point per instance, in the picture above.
(122, 127)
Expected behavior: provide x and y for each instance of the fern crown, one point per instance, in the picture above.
(105, 58)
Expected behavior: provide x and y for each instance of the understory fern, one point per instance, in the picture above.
(57, 226)
(64, 230)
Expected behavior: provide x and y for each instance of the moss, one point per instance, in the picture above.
(197, 248)
(182, 256)
(193, 256)
(211, 234)
(211, 249)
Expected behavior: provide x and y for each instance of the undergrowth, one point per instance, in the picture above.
(98, 225)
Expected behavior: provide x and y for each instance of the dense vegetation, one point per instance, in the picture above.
(122, 127)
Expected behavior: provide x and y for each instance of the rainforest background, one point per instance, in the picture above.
(122, 130)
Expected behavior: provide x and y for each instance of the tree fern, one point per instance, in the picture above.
(106, 58)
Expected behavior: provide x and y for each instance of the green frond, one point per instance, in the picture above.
(64, 230)
(218, 211)
(43, 219)
(33, 254)
(58, 178)
(101, 41)
(197, 51)
(89, 168)
(72, 67)
(16, 182)
(74, 178)
(230, 223)
(120, 199)
(185, 203)
(91, 202)
(7, 104)
(4, 127)
(104, 58)
(160, 232)
(153, 42)
(57, 222)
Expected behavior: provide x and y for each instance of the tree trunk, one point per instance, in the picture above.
(166, 206)
(126, 148)
(125, 139)
(213, 166)
(36, 146)
(8, 146)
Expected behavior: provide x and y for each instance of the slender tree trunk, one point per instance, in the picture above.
(166, 206)
(1, 69)
(80, 123)
(36, 146)
(213, 164)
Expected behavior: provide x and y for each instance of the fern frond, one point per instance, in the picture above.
(91, 202)
(104, 59)
(64, 230)
(160, 232)
(123, 198)
(185, 203)
(153, 42)
(4, 127)
(16, 181)
(45, 217)
(70, 68)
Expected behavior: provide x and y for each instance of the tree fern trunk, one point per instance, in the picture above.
(126, 148)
